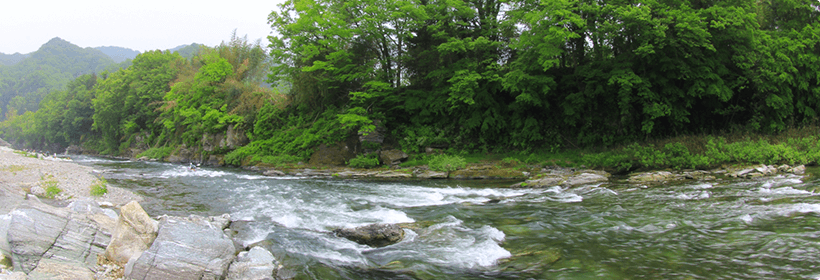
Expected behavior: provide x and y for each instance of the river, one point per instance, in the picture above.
(765, 228)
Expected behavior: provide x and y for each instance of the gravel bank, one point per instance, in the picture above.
(20, 175)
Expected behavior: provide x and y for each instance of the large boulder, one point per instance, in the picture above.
(257, 263)
(375, 235)
(337, 154)
(566, 178)
(185, 248)
(44, 241)
(392, 157)
(134, 233)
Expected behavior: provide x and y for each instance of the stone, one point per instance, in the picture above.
(211, 141)
(337, 154)
(430, 174)
(38, 191)
(235, 138)
(584, 179)
(798, 170)
(374, 235)
(390, 174)
(257, 263)
(43, 240)
(55, 269)
(273, 172)
(134, 233)
(185, 248)
(392, 157)
(33, 229)
(652, 177)
(5, 250)
(215, 160)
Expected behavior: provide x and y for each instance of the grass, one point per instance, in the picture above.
(793, 146)
(100, 187)
(50, 185)
(13, 168)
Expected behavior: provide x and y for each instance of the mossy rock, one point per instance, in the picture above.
(484, 172)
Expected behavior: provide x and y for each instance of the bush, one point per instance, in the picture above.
(365, 161)
(157, 153)
(51, 189)
(446, 163)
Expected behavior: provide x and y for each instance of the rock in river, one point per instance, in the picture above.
(375, 235)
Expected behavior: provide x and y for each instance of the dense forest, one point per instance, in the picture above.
(470, 75)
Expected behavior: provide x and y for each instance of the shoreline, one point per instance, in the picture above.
(22, 175)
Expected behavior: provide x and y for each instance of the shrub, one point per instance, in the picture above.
(99, 188)
(364, 161)
(446, 163)
(156, 153)
(510, 162)
(279, 160)
(51, 189)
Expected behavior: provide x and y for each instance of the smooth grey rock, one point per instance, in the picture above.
(257, 263)
(652, 177)
(185, 248)
(585, 178)
(430, 174)
(273, 172)
(5, 250)
(375, 235)
(33, 230)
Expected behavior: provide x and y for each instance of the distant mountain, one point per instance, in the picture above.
(11, 59)
(25, 83)
(119, 54)
(187, 51)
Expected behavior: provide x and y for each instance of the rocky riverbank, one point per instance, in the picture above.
(107, 237)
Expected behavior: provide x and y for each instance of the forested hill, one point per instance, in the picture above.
(24, 84)
(118, 54)
(11, 59)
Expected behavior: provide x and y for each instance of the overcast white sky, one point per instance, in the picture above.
(142, 25)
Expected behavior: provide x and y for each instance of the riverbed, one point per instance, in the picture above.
(760, 228)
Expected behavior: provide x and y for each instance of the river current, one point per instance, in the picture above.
(764, 228)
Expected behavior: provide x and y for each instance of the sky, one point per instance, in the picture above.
(142, 25)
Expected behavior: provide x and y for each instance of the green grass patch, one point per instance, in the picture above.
(446, 162)
(13, 168)
(26, 154)
(100, 187)
(365, 161)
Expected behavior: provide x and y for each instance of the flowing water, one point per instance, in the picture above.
(766, 228)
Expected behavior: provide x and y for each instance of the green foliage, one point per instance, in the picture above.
(446, 162)
(715, 152)
(50, 185)
(280, 160)
(100, 187)
(294, 134)
(365, 161)
(510, 162)
(156, 152)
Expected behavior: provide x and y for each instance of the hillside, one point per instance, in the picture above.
(11, 59)
(118, 54)
(25, 83)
